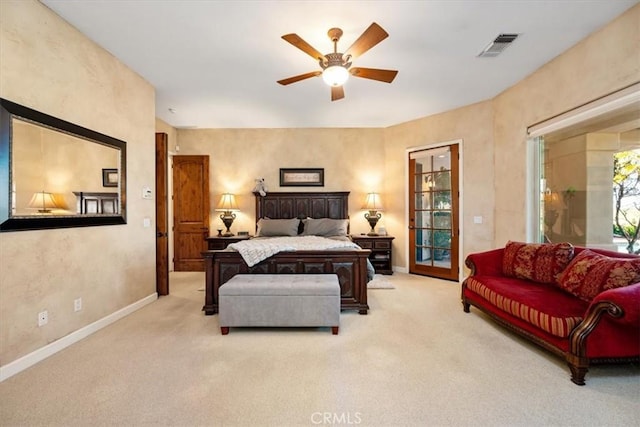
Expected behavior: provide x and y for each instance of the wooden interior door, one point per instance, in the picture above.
(162, 217)
(433, 212)
(190, 211)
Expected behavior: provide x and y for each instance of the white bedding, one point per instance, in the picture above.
(255, 250)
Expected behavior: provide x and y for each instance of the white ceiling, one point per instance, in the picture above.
(216, 63)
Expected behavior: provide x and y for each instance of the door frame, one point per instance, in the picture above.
(407, 250)
(162, 220)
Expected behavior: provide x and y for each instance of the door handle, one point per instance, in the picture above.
(161, 234)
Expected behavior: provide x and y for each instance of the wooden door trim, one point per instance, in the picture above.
(162, 214)
(457, 214)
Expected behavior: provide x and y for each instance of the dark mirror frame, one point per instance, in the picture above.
(9, 110)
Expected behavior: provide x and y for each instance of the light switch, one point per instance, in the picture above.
(146, 193)
(146, 223)
(477, 220)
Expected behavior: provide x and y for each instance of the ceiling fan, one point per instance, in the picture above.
(336, 66)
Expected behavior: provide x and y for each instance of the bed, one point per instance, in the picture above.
(350, 265)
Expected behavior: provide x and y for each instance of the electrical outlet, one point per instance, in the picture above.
(77, 304)
(43, 318)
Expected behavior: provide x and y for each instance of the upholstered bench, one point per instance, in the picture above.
(275, 300)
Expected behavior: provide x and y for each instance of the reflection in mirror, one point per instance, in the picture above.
(52, 173)
(48, 166)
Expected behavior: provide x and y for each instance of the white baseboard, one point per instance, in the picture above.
(42, 353)
(400, 269)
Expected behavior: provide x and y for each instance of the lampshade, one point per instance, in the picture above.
(335, 75)
(227, 203)
(43, 201)
(552, 200)
(373, 202)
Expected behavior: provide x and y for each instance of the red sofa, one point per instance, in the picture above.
(583, 305)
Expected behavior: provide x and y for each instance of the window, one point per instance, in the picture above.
(575, 153)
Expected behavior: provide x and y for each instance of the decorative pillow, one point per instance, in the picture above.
(539, 262)
(591, 273)
(325, 227)
(277, 227)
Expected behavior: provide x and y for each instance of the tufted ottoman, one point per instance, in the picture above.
(280, 300)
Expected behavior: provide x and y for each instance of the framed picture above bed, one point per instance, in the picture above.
(305, 177)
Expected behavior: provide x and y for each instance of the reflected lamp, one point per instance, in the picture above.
(228, 206)
(43, 202)
(373, 205)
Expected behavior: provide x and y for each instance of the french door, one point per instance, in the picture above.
(433, 212)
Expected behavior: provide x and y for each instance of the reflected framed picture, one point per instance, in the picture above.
(109, 177)
(305, 177)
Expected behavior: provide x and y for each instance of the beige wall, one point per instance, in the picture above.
(471, 124)
(602, 63)
(172, 133)
(49, 66)
(353, 160)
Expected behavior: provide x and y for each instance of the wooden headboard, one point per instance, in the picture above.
(281, 205)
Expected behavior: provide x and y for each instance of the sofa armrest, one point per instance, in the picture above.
(626, 298)
(487, 263)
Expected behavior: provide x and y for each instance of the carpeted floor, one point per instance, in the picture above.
(415, 360)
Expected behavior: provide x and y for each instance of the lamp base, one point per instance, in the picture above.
(227, 218)
(372, 217)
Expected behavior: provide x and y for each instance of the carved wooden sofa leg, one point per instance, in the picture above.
(465, 305)
(578, 373)
(579, 366)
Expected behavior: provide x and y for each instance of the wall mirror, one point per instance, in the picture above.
(56, 174)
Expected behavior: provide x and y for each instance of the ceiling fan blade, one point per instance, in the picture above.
(294, 79)
(337, 92)
(295, 40)
(371, 37)
(386, 76)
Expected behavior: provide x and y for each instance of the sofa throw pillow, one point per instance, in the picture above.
(591, 273)
(538, 262)
(277, 227)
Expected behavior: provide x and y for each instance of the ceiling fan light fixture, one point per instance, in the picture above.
(336, 66)
(335, 75)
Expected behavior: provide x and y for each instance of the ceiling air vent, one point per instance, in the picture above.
(498, 45)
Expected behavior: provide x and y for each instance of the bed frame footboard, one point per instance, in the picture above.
(349, 266)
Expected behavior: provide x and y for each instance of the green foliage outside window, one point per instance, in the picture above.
(626, 195)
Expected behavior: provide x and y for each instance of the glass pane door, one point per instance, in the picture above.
(433, 212)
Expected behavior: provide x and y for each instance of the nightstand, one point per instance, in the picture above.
(381, 251)
(220, 243)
